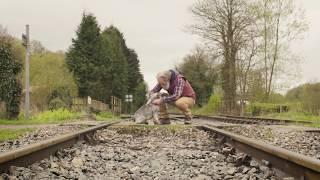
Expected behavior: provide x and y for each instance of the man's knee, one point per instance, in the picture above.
(183, 103)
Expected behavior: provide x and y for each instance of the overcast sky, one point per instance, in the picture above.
(154, 28)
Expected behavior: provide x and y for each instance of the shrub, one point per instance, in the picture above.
(213, 106)
(57, 103)
(10, 87)
(60, 98)
(214, 102)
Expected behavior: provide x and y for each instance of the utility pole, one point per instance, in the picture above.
(26, 43)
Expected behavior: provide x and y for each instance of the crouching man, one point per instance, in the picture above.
(181, 94)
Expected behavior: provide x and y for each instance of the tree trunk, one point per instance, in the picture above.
(265, 50)
(275, 55)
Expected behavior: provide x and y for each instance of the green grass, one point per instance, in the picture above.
(10, 134)
(47, 117)
(106, 116)
(296, 116)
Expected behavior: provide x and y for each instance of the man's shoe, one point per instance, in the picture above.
(164, 121)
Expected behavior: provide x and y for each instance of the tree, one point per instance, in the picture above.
(308, 95)
(114, 44)
(37, 47)
(49, 75)
(10, 87)
(245, 64)
(136, 85)
(200, 73)
(281, 22)
(84, 55)
(139, 95)
(225, 24)
(102, 63)
(135, 77)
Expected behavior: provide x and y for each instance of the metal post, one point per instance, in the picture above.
(27, 100)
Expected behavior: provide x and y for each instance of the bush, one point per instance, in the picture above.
(50, 79)
(57, 103)
(60, 98)
(213, 106)
(214, 103)
(10, 87)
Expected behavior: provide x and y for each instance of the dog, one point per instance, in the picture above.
(148, 111)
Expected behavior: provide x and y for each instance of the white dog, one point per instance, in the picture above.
(148, 111)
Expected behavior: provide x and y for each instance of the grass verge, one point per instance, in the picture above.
(296, 116)
(106, 116)
(47, 117)
(10, 134)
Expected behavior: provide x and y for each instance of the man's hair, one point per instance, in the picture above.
(164, 75)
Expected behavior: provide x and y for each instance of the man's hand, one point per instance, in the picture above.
(157, 101)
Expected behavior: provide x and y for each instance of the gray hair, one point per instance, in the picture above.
(164, 74)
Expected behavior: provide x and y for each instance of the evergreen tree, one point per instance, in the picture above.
(139, 95)
(10, 87)
(114, 45)
(102, 63)
(134, 75)
(84, 55)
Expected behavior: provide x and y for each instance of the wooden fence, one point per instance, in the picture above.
(79, 104)
(83, 104)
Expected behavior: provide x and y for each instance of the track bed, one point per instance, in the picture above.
(146, 152)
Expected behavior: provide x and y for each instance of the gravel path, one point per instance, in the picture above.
(293, 139)
(146, 152)
(42, 133)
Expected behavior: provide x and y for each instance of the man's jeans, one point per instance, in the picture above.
(183, 104)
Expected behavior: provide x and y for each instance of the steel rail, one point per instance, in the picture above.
(246, 120)
(218, 118)
(266, 119)
(29, 154)
(288, 162)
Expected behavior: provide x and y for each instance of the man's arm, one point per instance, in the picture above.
(157, 88)
(177, 92)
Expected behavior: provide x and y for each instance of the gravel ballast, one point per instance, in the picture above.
(146, 152)
(306, 143)
(37, 135)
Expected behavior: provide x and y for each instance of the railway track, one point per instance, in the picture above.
(288, 162)
(29, 154)
(285, 161)
(265, 120)
(244, 119)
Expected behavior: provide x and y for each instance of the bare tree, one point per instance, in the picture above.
(225, 24)
(281, 22)
(246, 62)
